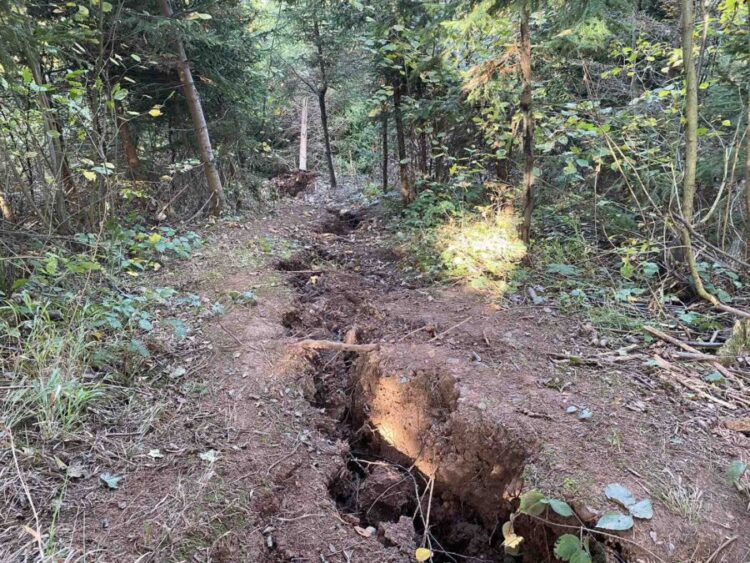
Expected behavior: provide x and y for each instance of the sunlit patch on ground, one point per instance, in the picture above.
(482, 251)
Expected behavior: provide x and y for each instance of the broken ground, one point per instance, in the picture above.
(259, 448)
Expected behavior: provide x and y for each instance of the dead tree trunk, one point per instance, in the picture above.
(199, 120)
(303, 136)
(528, 124)
(407, 192)
(384, 119)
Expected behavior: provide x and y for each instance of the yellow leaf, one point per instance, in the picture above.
(512, 541)
(422, 554)
(89, 175)
(155, 111)
(154, 238)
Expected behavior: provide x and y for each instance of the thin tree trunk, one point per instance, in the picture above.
(322, 91)
(407, 192)
(326, 136)
(528, 124)
(57, 161)
(199, 120)
(303, 136)
(384, 127)
(691, 147)
(423, 153)
(5, 210)
(129, 146)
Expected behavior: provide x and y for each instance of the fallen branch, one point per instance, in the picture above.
(684, 381)
(446, 331)
(340, 346)
(698, 355)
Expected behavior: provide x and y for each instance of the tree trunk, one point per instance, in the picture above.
(326, 135)
(528, 124)
(303, 136)
(129, 146)
(384, 119)
(57, 161)
(199, 120)
(5, 211)
(423, 154)
(407, 192)
(691, 147)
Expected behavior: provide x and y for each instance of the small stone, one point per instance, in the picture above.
(482, 406)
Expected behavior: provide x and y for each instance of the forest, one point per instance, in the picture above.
(375, 281)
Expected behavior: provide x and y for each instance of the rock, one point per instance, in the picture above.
(385, 494)
(399, 534)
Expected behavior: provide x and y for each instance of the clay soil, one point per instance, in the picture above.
(276, 452)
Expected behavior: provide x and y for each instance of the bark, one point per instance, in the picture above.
(326, 136)
(407, 191)
(384, 118)
(691, 147)
(129, 146)
(322, 91)
(57, 161)
(528, 124)
(199, 120)
(423, 154)
(5, 210)
(303, 136)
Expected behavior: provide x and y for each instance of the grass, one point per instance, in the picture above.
(680, 498)
(52, 392)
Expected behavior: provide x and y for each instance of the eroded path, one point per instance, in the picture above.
(272, 452)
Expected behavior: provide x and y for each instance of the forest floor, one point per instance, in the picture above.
(268, 450)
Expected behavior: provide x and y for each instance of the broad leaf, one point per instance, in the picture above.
(616, 521)
(620, 494)
(112, 481)
(533, 503)
(560, 507)
(642, 509)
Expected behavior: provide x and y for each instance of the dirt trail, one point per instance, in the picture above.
(275, 453)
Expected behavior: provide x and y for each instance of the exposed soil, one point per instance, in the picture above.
(341, 456)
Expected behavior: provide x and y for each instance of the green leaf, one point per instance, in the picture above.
(560, 507)
(533, 503)
(137, 346)
(564, 269)
(180, 330)
(715, 377)
(642, 509)
(736, 470)
(620, 494)
(145, 324)
(616, 521)
(581, 557)
(112, 481)
(569, 548)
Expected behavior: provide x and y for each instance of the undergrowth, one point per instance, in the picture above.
(584, 261)
(80, 340)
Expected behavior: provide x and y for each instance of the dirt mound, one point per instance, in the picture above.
(294, 183)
